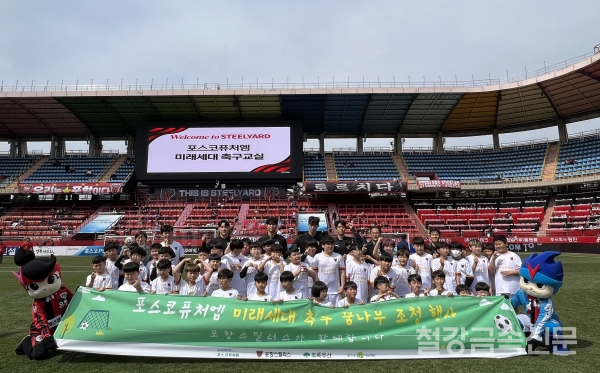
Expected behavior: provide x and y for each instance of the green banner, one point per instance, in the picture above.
(123, 323)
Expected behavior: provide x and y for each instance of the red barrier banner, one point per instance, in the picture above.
(352, 187)
(526, 240)
(71, 188)
(439, 184)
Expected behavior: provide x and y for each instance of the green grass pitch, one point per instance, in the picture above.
(577, 304)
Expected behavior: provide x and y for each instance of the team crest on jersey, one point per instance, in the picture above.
(511, 258)
(335, 259)
(229, 294)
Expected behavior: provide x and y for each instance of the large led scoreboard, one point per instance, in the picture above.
(194, 153)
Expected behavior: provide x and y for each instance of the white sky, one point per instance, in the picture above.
(219, 41)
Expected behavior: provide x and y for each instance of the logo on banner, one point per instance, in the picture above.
(167, 193)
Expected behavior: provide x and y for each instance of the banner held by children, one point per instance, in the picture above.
(123, 323)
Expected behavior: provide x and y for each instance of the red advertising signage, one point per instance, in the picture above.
(71, 188)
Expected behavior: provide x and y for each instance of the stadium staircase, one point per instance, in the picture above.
(551, 161)
(113, 168)
(187, 210)
(418, 223)
(401, 166)
(331, 207)
(330, 167)
(547, 216)
(30, 170)
(239, 225)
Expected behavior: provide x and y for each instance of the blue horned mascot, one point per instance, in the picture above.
(41, 278)
(541, 277)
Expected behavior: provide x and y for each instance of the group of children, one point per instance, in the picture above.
(257, 271)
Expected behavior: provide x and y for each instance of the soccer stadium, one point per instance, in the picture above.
(536, 193)
(243, 179)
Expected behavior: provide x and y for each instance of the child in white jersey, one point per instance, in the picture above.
(250, 268)
(193, 284)
(260, 284)
(289, 292)
(479, 264)
(358, 272)
(211, 273)
(236, 262)
(273, 266)
(421, 261)
(132, 282)
(137, 254)
(301, 271)
(446, 264)
(464, 269)
(403, 270)
(385, 292)
(439, 280)
(319, 294)
(225, 290)
(100, 279)
(350, 290)
(415, 287)
(164, 283)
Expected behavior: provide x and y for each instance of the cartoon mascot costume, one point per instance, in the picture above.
(41, 278)
(541, 277)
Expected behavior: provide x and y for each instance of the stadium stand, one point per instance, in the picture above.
(575, 214)
(580, 156)
(391, 218)
(149, 216)
(50, 221)
(314, 167)
(124, 171)
(516, 164)
(520, 216)
(11, 168)
(365, 167)
(56, 169)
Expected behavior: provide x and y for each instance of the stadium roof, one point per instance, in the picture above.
(570, 94)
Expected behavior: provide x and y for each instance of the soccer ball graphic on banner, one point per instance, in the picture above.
(503, 324)
(95, 319)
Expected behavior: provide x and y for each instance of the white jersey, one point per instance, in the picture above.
(163, 287)
(261, 298)
(311, 261)
(392, 276)
(114, 273)
(300, 281)
(213, 283)
(177, 248)
(463, 267)
(444, 291)
(424, 263)
(127, 287)
(359, 273)
(284, 295)
(481, 273)
(273, 270)
(343, 303)
(412, 295)
(100, 281)
(507, 284)
(230, 293)
(328, 269)
(236, 263)
(382, 299)
(186, 289)
(450, 270)
(402, 287)
(250, 273)
(143, 271)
